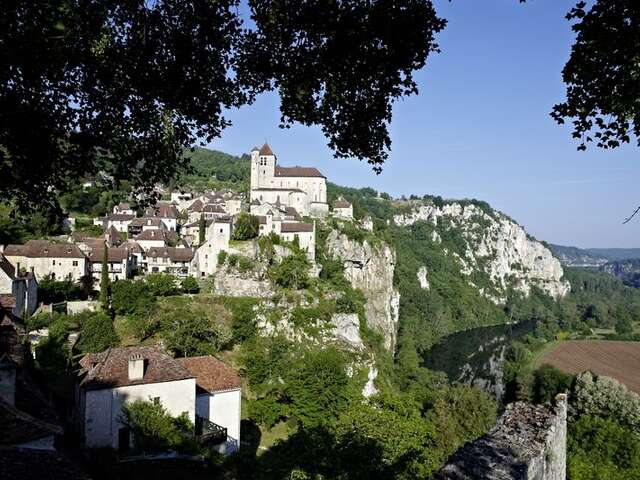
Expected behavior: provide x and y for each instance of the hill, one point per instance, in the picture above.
(592, 257)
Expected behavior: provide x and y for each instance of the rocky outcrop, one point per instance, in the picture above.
(529, 442)
(229, 282)
(422, 278)
(497, 245)
(370, 268)
(626, 270)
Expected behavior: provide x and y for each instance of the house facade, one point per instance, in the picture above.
(303, 188)
(173, 260)
(61, 261)
(343, 209)
(203, 388)
(21, 288)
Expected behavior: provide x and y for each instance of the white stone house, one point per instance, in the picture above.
(181, 199)
(303, 188)
(152, 238)
(203, 388)
(139, 225)
(124, 208)
(119, 221)
(342, 208)
(205, 258)
(172, 260)
(22, 288)
(218, 397)
(303, 233)
(120, 263)
(61, 261)
(166, 212)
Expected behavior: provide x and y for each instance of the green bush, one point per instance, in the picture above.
(96, 332)
(245, 227)
(190, 285)
(161, 284)
(222, 257)
(243, 317)
(129, 297)
(267, 410)
(245, 264)
(155, 430)
(188, 333)
(548, 381)
(291, 272)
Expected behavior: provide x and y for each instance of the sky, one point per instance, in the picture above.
(480, 128)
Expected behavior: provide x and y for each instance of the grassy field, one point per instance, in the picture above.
(616, 359)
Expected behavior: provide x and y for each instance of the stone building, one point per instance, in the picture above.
(303, 188)
(528, 443)
(61, 261)
(343, 209)
(203, 388)
(18, 290)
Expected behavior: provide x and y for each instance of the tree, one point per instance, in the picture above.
(318, 387)
(245, 227)
(105, 284)
(161, 284)
(291, 272)
(202, 229)
(96, 332)
(190, 285)
(124, 88)
(548, 381)
(155, 429)
(130, 297)
(188, 333)
(601, 74)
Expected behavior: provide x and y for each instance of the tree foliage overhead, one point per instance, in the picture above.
(123, 88)
(603, 74)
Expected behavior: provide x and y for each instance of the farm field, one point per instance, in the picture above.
(616, 359)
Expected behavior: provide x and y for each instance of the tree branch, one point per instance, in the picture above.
(628, 219)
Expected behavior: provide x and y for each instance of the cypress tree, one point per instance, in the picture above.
(202, 226)
(104, 280)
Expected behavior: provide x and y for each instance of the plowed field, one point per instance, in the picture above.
(619, 360)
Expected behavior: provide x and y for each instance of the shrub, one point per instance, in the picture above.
(189, 333)
(291, 272)
(130, 297)
(243, 317)
(244, 264)
(54, 291)
(97, 332)
(190, 285)
(222, 257)
(161, 284)
(548, 381)
(267, 410)
(155, 429)
(245, 227)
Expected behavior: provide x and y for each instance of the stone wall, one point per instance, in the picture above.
(528, 443)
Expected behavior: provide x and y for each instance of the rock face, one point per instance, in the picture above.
(232, 283)
(626, 270)
(370, 268)
(422, 278)
(529, 442)
(347, 329)
(497, 245)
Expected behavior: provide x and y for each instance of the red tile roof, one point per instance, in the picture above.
(114, 254)
(110, 368)
(6, 267)
(266, 150)
(174, 254)
(211, 374)
(43, 249)
(298, 172)
(295, 227)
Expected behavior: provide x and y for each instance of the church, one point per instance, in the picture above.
(301, 188)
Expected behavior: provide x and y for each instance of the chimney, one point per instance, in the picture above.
(136, 366)
(17, 269)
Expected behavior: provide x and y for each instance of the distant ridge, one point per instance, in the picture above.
(592, 257)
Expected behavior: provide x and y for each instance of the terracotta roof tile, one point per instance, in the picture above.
(298, 172)
(295, 227)
(110, 368)
(211, 374)
(266, 150)
(7, 268)
(44, 249)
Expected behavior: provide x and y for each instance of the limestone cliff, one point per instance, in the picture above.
(370, 268)
(494, 244)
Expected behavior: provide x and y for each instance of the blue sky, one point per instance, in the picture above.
(480, 128)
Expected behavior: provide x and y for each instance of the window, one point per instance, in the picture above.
(156, 400)
(75, 263)
(53, 262)
(220, 230)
